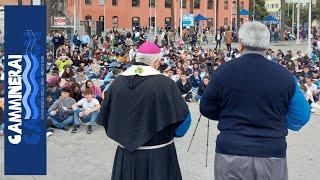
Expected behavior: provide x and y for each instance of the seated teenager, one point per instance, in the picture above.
(53, 93)
(185, 86)
(87, 113)
(61, 112)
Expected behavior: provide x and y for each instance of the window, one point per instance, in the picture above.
(135, 3)
(241, 5)
(152, 3)
(152, 21)
(88, 1)
(210, 22)
(168, 3)
(135, 22)
(167, 22)
(101, 18)
(226, 5)
(210, 4)
(277, 5)
(114, 2)
(196, 4)
(225, 21)
(234, 6)
(115, 21)
(88, 17)
(184, 4)
(101, 2)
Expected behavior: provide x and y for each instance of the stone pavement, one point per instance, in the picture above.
(90, 157)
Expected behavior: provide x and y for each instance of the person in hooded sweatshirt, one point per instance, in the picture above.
(144, 111)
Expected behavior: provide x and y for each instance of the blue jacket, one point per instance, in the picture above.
(255, 102)
(195, 82)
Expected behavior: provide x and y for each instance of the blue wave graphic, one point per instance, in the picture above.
(25, 76)
(35, 87)
(28, 87)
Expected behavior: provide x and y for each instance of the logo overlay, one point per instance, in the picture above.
(25, 114)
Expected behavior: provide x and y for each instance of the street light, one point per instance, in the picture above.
(309, 28)
(155, 17)
(181, 18)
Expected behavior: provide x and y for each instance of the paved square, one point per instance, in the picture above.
(90, 157)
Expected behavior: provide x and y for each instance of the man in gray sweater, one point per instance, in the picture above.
(61, 112)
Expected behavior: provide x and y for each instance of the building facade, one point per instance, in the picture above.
(125, 14)
(273, 7)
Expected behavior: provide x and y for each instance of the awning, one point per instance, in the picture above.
(270, 20)
(244, 12)
(199, 17)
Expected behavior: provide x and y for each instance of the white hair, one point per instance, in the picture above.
(147, 58)
(254, 35)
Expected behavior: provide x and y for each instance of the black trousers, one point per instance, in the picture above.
(188, 96)
(218, 45)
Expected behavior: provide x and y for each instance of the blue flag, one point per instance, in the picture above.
(25, 78)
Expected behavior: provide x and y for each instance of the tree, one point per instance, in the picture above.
(19, 2)
(260, 10)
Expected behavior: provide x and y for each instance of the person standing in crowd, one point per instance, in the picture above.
(76, 39)
(61, 112)
(88, 112)
(85, 40)
(56, 43)
(229, 40)
(218, 39)
(254, 111)
(1, 41)
(145, 126)
(1, 117)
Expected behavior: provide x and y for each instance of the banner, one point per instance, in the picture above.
(25, 78)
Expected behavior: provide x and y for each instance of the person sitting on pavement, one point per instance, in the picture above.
(61, 112)
(185, 86)
(94, 70)
(53, 93)
(203, 85)
(87, 113)
(63, 61)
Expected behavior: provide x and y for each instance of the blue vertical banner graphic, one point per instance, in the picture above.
(25, 83)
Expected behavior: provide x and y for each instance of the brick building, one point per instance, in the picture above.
(128, 13)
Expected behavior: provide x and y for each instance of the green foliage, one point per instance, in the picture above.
(304, 10)
(261, 11)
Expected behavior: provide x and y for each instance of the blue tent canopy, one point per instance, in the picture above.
(270, 20)
(244, 12)
(199, 17)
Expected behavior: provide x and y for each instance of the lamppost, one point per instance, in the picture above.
(155, 17)
(309, 27)
(181, 3)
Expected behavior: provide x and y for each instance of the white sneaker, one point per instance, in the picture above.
(1, 133)
(49, 134)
